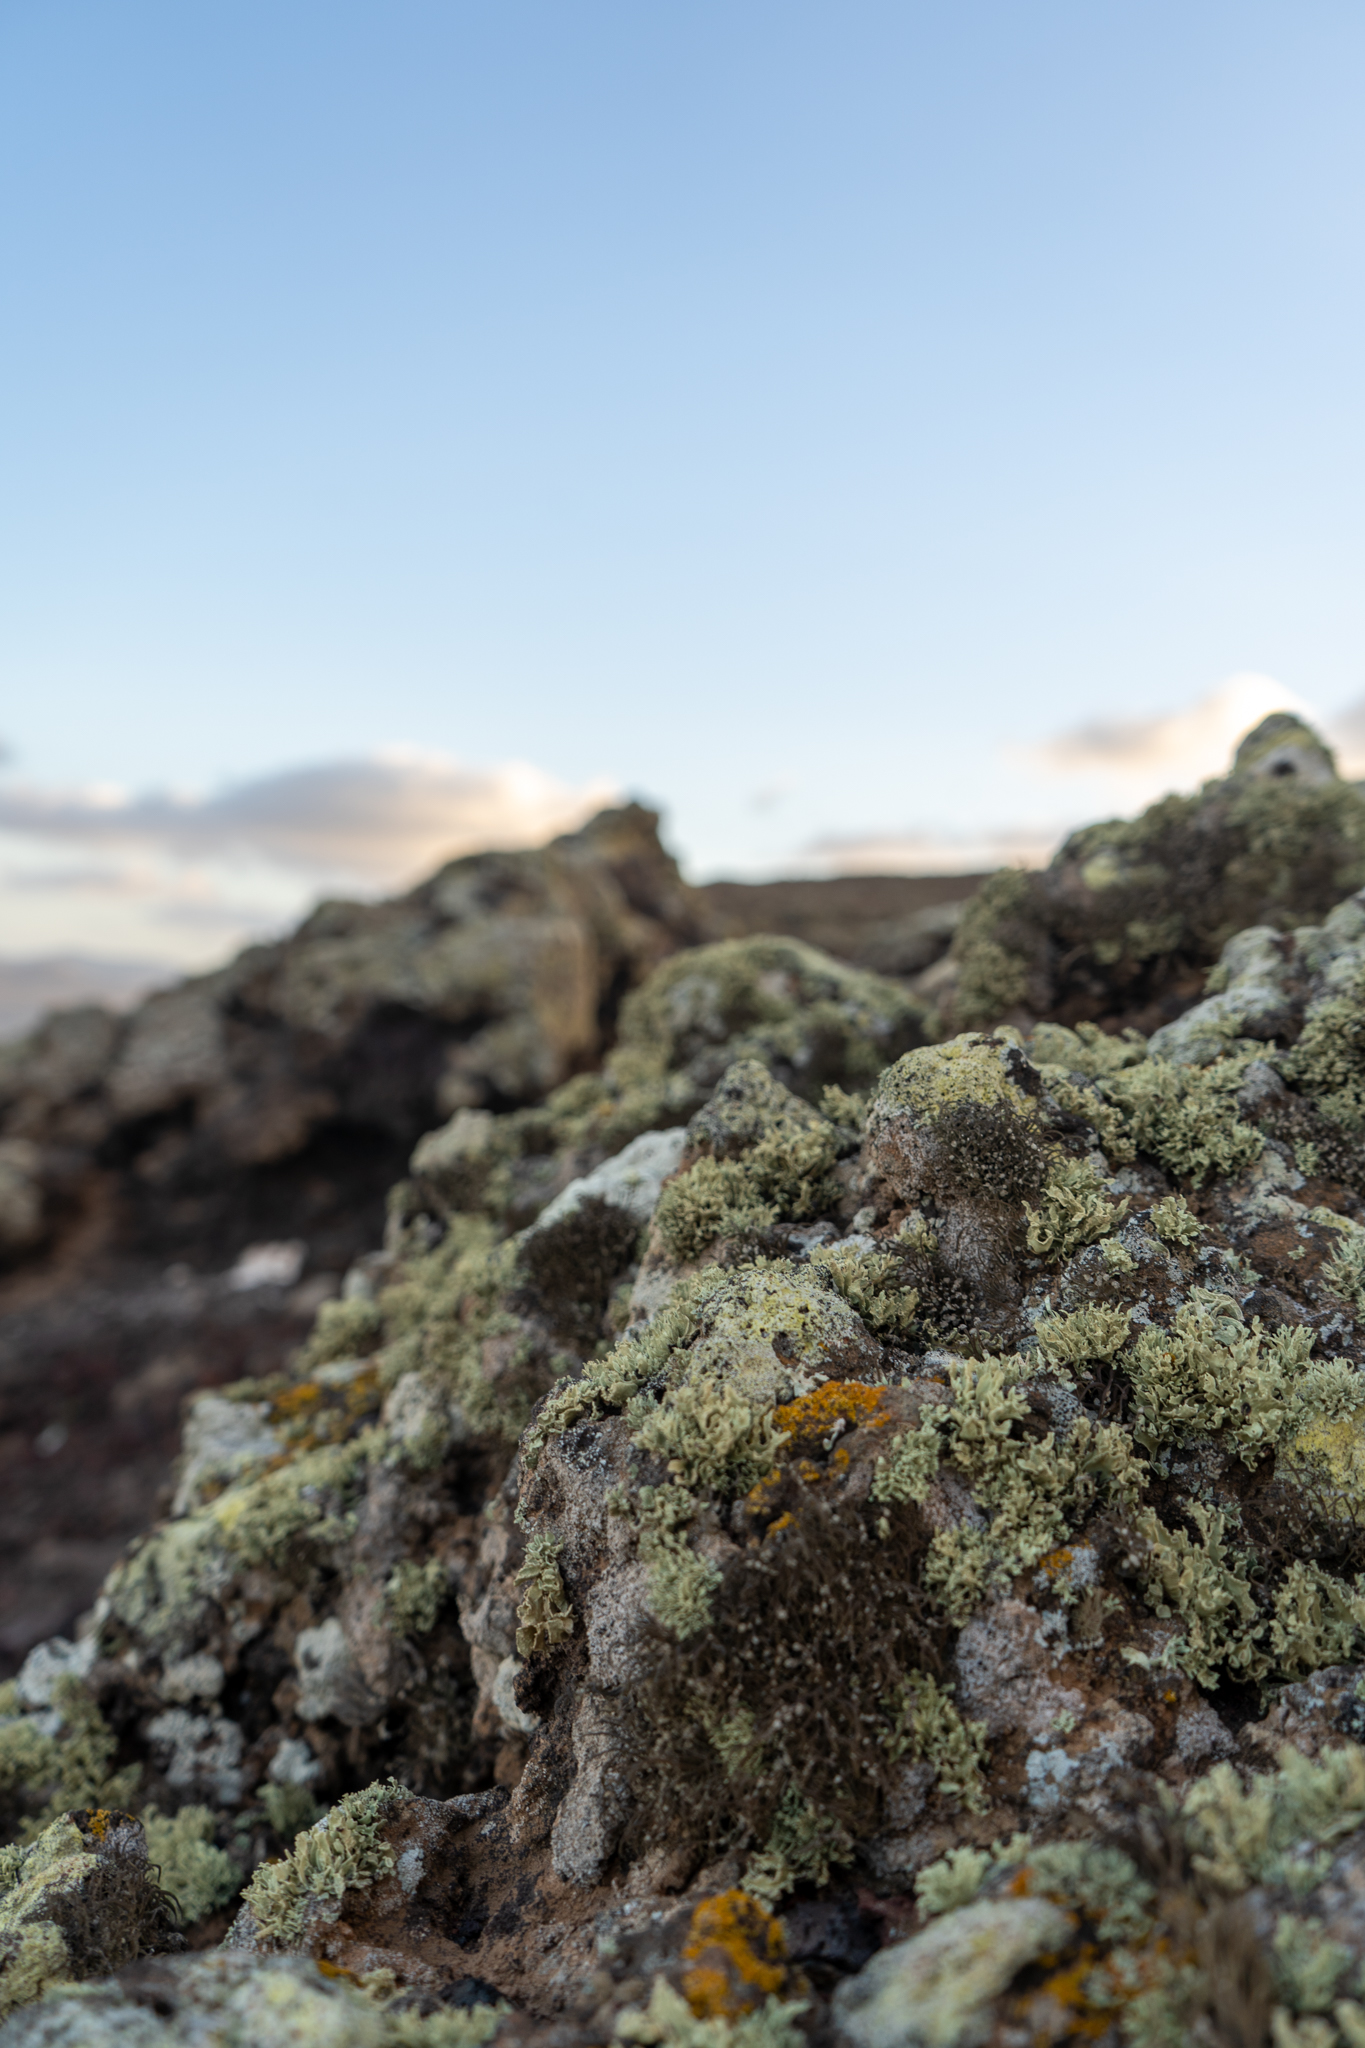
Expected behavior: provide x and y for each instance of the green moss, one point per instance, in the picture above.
(345, 1851)
(198, 1876)
(1074, 1209)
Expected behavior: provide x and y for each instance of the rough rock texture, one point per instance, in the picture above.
(1126, 920)
(805, 1533)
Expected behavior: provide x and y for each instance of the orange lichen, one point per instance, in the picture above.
(1055, 1561)
(822, 1415)
(736, 1955)
(98, 1823)
(295, 1401)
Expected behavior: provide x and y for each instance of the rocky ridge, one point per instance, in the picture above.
(811, 1531)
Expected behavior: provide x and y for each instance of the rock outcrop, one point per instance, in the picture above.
(804, 1533)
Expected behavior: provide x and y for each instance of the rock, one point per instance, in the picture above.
(1129, 916)
(79, 1902)
(936, 1990)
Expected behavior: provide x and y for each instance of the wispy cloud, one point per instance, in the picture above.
(1175, 750)
(931, 853)
(185, 878)
(381, 821)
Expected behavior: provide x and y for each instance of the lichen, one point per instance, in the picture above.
(668, 2021)
(1198, 1582)
(345, 1851)
(415, 1594)
(803, 1848)
(199, 1876)
(1174, 1220)
(681, 1583)
(1185, 1117)
(1074, 1209)
(544, 1617)
(710, 1436)
(865, 1280)
(1088, 1334)
(926, 1726)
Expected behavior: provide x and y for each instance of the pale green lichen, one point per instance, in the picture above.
(668, 2021)
(1186, 1118)
(55, 1772)
(1032, 1494)
(612, 1381)
(1089, 1335)
(1174, 1220)
(1197, 1581)
(864, 1279)
(1098, 1880)
(544, 1617)
(955, 1880)
(710, 1436)
(1309, 1965)
(1317, 1619)
(1073, 1210)
(785, 1176)
(926, 1726)
(1211, 1373)
(1344, 1272)
(803, 1848)
(414, 1595)
(970, 1070)
(681, 1584)
(199, 1876)
(1275, 1828)
(345, 1851)
(907, 1468)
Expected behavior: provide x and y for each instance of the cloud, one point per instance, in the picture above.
(1178, 749)
(931, 853)
(379, 821)
(1346, 731)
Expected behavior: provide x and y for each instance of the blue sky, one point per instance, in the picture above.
(800, 415)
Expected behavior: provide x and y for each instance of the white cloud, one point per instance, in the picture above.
(185, 879)
(1176, 750)
(381, 821)
(931, 853)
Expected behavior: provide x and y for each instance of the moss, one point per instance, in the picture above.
(198, 1876)
(1074, 1210)
(544, 1617)
(345, 1851)
(415, 1595)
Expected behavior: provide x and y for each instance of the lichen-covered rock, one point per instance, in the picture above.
(80, 1901)
(923, 1503)
(1129, 916)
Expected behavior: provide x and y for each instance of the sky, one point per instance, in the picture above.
(881, 436)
